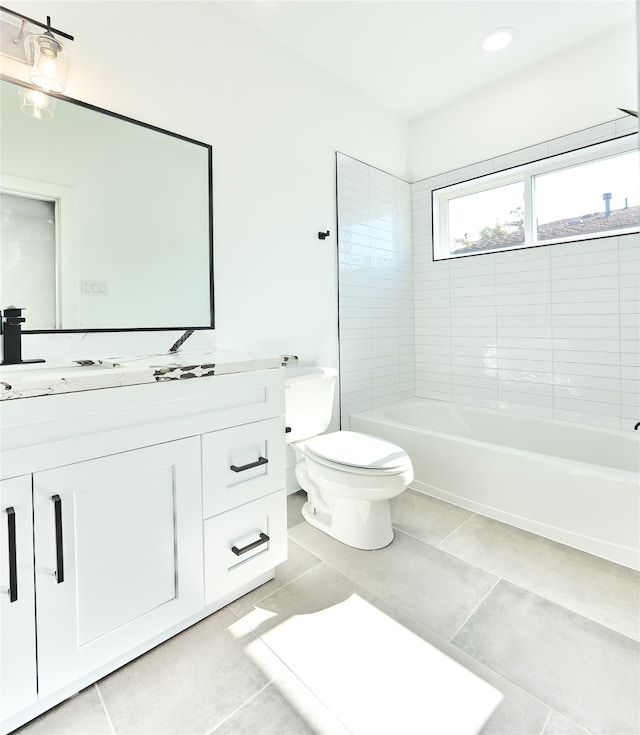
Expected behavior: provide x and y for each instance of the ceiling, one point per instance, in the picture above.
(412, 56)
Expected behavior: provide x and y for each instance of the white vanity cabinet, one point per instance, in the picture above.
(18, 686)
(128, 507)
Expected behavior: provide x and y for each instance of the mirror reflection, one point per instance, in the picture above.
(105, 223)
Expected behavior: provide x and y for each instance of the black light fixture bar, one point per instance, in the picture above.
(46, 26)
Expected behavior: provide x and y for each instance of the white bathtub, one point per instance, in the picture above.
(576, 484)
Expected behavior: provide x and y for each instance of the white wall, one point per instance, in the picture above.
(274, 121)
(580, 88)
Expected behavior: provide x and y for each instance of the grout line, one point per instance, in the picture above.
(455, 530)
(104, 707)
(237, 709)
(475, 610)
(545, 723)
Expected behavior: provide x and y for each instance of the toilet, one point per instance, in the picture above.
(349, 477)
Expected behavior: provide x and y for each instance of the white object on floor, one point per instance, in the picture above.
(377, 677)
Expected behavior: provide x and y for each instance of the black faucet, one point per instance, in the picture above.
(12, 320)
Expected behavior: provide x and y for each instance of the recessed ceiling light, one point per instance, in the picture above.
(498, 39)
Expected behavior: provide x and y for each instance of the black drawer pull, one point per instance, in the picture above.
(13, 563)
(262, 540)
(257, 463)
(57, 509)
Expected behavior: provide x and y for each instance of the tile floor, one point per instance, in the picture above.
(555, 630)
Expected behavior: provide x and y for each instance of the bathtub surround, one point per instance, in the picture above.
(550, 331)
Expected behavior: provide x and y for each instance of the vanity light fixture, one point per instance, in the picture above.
(46, 57)
(498, 39)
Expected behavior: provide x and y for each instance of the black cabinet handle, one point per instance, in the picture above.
(57, 509)
(257, 463)
(13, 562)
(262, 540)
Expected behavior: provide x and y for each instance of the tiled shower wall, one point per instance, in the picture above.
(551, 331)
(375, 288)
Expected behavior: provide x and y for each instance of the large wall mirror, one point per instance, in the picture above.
(106, 223)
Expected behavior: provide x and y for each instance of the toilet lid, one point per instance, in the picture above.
(352, 449)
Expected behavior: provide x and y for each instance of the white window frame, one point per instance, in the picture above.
(525, 173)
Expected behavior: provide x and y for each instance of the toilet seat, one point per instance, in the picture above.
(351, 451)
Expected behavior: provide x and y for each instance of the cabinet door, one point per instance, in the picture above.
(118, 549)
(17, 608)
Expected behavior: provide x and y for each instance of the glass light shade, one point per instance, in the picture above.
(49, 61)
(37, 104)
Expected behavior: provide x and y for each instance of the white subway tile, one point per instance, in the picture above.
(586, 356)
(522, 289)
(520, 157)
(585, 417)
(600, 408)
(468, 399)
(586, 370)
(525, 409)
(632, 401)
(584, 394)
(525, 361)
(586, 333)
(433, 392)
(582, 260)
(587, 295)
(626, 124)
(586, 345)
(518, 377)
(470, 172)
(629, 241)
(570, 142)
(569, 309)
(560, 277)
(583, 247)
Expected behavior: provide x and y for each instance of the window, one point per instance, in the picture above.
(591, 192)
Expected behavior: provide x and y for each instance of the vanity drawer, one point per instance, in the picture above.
(242, 464)
(244, 543)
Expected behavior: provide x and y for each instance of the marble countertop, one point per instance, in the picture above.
(30, 380)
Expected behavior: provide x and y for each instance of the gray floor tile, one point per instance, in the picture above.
(579, 668)
(268, 713)
(596, 588)
(82, 714)
(430, 585)
(189, 684)
(323, 586)
(559, 725)
(295, 501)
(298, 562)
(285, 706)
(426, 518)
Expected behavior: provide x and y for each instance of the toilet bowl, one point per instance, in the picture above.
(349, 477)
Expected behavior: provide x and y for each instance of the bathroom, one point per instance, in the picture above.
(275, 121)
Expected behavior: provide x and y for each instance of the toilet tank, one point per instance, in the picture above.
(308, 398)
